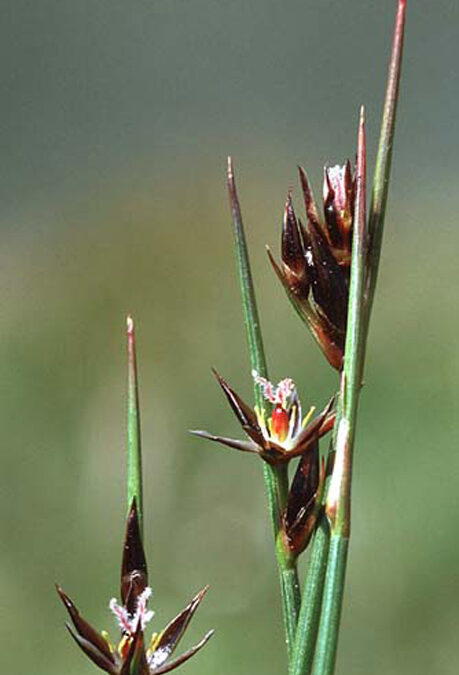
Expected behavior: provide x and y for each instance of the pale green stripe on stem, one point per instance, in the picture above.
(276, 479)
(134, 450)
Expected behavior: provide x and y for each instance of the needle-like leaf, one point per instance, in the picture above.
(275, 476)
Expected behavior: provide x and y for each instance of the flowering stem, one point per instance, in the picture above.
(276, 479)
(308, 620)
(365, 261)
(339, 492)
(134, 451)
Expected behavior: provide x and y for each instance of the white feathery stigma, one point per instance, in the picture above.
(127, 623)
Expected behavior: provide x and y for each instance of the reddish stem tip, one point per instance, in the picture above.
(230, 174)
(130, 325)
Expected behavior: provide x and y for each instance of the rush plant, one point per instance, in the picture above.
(328, 269)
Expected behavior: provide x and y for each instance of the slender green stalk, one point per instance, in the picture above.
(276, 479)
(308, 620)
(327, 640)
(134, 450)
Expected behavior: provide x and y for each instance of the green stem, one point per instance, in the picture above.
(364, 272)
(308, 620)
(338, 501)
(276, 479)
(325, 654)
(134, 450)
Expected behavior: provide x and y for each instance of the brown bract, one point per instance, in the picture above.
(134, 572)
(304, 501)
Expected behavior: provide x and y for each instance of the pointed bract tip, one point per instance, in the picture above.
(130, 324)
(230, 177)
(232, 192)
(274, 264)
(199, 596)
(68, 604)
(196, 432)
(200, 433)
(217, 374)
(289, 211)
(65, 599)
(361, 147)
(303, 177)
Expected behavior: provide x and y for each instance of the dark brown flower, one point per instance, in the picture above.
(315, 266)
(130, 656)
(283, 434)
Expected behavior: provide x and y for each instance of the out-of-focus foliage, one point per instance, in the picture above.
(115, 125)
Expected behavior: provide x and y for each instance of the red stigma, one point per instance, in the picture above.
(280, 422)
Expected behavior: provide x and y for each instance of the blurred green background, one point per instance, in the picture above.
(116, 119)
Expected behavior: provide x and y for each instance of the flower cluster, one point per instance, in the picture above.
(315, 266)
(130, 656)
(278, 437)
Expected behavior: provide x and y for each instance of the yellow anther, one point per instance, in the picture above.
(154, 640)
(106, 637)
(308, 416)
(123, 645)
(260, 415)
